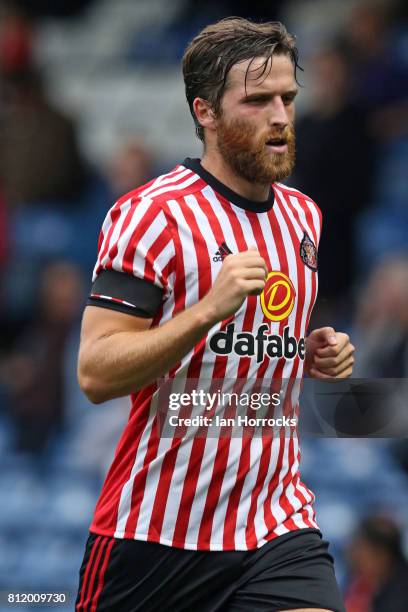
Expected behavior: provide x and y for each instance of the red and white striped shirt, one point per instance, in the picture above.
(208, 493)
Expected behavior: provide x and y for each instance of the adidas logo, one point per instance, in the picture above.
(222, 252)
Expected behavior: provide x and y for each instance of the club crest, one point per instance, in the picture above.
(308, 252)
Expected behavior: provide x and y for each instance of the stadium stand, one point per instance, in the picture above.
(100, 69)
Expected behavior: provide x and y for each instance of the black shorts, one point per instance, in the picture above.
(292, 571)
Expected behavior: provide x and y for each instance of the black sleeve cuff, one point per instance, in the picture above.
(125, 293)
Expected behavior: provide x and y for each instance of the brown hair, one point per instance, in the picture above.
(211, 54)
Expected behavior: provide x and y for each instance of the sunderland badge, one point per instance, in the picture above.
(308, 252)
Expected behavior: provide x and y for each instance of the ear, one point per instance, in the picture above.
(204, 113)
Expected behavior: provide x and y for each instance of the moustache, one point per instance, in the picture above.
(280, 137)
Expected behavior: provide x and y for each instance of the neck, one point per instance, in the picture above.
(215, 164)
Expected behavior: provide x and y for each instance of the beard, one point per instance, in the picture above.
(250, 158)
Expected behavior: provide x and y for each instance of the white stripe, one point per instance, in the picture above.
(98, 296)
(308, 272)
(308, 281)
(165, 179)
(308, 495)
(124, 209)
(161, 261)
(289, 365)
(169, 188)
(235, 448)
(278, 512)
(154, 230)
(205, 376)
(126, 493)
(160, 181)
(107, 225)
(261, 528)
(179, 384)
(122, 242)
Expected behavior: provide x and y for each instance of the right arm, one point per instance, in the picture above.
(120, 353)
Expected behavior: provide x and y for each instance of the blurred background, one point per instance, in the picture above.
(92, 105)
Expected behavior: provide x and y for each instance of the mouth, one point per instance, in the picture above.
(277, 145)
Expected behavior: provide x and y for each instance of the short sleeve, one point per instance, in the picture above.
(136, 258)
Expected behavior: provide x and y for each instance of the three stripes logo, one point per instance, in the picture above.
(222, 252)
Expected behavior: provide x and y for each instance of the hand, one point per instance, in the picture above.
(241, 275)
(329, 354)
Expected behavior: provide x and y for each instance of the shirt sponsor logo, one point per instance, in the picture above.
(278, 296)
(261, 344)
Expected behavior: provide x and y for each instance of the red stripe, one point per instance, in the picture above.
(301, 271)
(162, 181)
(277, 476)
(180, 287)
(95, 568)
(298, 333)
(243, 367)
(154, 251)
(244, 463)
(198, 449)
(171, 455)
(219, 370)
(313, 275)
(106, 513)
(262, 473)
(89, 565)
(295, 239)
(306, 271)
(199, 443)
(139, 482)
(270, 519)
(102, 575)
(115, 214)
(167, 191)
(148, 219)
(170, 458)
(221, 459)
(113, 251)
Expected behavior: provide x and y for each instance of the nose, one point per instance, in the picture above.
(278, 113)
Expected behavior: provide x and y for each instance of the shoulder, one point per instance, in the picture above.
(305, 201)
(152, 196)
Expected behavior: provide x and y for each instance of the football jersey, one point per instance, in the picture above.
(160, 250)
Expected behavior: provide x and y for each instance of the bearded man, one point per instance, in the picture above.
(205, 279)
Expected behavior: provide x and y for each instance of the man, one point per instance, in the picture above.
(209, 273)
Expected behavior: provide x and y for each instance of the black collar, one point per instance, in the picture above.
(226, 192)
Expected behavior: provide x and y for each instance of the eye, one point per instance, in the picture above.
(256, 101)
(288, 99)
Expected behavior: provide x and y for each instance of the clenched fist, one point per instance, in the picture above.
(329, 354)
(241, 275)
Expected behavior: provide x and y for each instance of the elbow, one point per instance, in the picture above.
(92, 391)
(91, 387)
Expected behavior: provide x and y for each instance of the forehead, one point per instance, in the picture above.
(279, 74)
